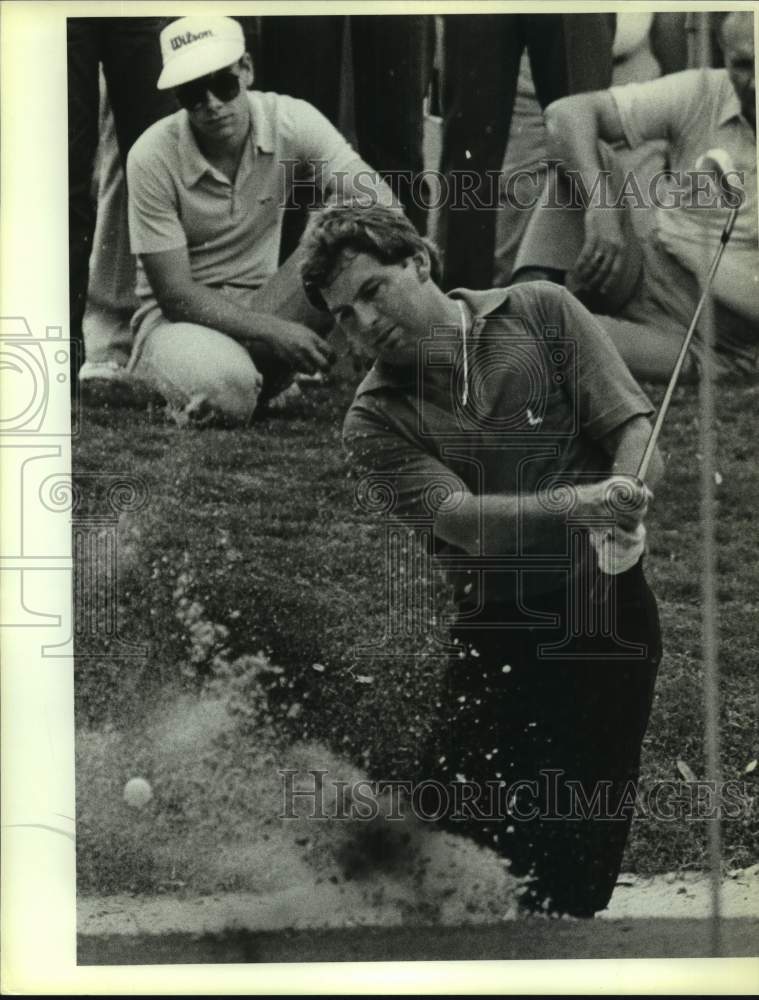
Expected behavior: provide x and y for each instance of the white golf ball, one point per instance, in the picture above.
(137, 792)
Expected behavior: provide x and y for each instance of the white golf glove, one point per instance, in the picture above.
(620, 552)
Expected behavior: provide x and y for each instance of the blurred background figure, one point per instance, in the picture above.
(126, 48)
(639, 251)
(369, 76)
(644, 47)
(111, 300)
(387, 83)
(568, 54)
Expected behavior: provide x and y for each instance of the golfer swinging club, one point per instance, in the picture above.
(508, 421)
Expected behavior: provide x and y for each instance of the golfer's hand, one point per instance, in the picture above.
(621, 499)
(301, 349)
(602, 255)
(619, 550)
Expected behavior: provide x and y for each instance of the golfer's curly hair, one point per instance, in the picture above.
(383, 232)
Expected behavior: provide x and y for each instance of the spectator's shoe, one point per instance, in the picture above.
(107, 383)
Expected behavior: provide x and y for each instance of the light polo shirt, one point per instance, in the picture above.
(546, 387)
(695, 111)
(231, 230)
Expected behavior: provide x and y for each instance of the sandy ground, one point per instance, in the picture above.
(328, 905)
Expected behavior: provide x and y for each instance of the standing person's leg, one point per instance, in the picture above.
(524, 174)
(568, 53)
(571, 53)
(251, 29)
(301, 57)
(83, 54)
(481, 65)
(588, 42)
(131, 60)
(111, 300)
(392, 66)
(131, 65)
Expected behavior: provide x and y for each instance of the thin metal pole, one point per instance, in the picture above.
(710, 624)
(663, 409)
(709, 575)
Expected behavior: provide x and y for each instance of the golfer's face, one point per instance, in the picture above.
(381, 306)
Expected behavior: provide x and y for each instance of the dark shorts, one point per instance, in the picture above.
(544, 723)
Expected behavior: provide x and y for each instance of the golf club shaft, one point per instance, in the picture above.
(656, 430)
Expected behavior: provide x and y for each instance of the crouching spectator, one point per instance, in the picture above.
(220, 329)
(643, 275)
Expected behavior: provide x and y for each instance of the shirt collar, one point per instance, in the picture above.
(192, 162)
(481, 304)
(263, 125)
(731, 106)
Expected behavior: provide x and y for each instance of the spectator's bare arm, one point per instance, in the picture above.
(575, 125)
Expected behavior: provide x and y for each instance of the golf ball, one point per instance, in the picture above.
(137, 792)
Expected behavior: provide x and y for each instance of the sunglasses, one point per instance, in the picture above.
(224, 85)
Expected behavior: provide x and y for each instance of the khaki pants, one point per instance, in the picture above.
(189, 363)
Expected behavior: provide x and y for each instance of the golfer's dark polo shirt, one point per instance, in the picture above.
(546, 386)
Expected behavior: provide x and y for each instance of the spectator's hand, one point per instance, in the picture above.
(301, 349)
(622, 499)
(602, 256)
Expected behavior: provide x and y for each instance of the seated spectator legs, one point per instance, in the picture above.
(648, 310)
(554, 237)
(649, 351)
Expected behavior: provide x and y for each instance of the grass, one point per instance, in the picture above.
(253, 580)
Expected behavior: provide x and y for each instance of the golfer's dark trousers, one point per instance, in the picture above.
(543, 707)
(390, 72)
(129, 50)
(569, 54)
